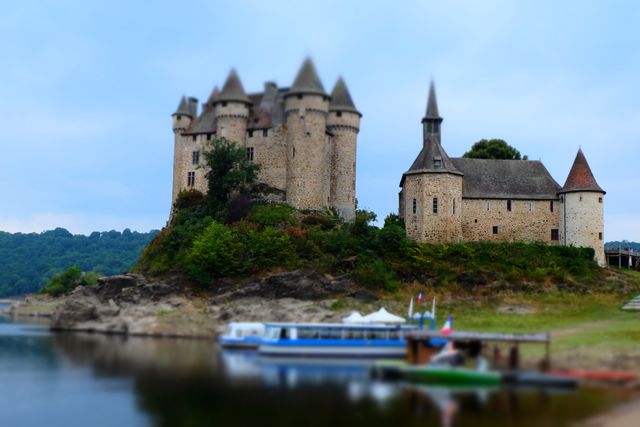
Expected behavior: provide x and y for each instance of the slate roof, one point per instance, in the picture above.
(580, 177)
(183, 108)
(307, 80)
(506, 179)
(432, 159)
(341, 98)
(233, 90)
(432, 104)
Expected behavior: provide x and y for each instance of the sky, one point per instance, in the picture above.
(87, 90)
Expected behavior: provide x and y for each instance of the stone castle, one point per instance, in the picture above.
(305, 141)
(303, 138)
(446, 199)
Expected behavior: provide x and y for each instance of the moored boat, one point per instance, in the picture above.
(335, 340)
(242, 335)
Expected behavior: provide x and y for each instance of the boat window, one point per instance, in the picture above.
(284, 334)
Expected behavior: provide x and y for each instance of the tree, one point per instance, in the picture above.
(493, 149)
(229, 171)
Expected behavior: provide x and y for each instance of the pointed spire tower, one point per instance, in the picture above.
(306, 107)
(307, 81)
(430, 199)
(431, 121)
(343, 123)
(582, 209)
(231, 108)
(182, 117)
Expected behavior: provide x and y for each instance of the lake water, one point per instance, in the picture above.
(68, 379)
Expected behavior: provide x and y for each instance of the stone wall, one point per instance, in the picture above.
(184, 147)
(425, 225)
(344, 129)
(582, 221)
(306, 151)
(271, 153)
(528, 220)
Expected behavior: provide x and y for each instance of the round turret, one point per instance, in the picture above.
(582, 209)
(343, 123)
(183, 116)
(231, 109)
(308, 145)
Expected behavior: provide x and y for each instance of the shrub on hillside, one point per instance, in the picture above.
(67, 281)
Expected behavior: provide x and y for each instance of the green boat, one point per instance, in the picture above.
(437, 374)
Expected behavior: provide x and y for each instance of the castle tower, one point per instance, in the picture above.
(343, 123)
(182, 119)
(582, 209)
(231, 107)
(306, 109)
(431, 195)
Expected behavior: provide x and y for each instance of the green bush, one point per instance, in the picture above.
(67, 281)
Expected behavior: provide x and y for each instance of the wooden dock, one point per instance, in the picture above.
(623, 258)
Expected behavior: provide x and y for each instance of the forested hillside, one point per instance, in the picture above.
(28, 261)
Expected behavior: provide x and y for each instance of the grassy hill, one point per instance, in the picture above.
(277, 237)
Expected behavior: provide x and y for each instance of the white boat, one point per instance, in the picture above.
(335, 340)
(242, 335)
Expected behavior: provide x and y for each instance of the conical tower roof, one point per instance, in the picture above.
(233, 90)
(307, 81)
(183, 108)
(432, 105)
(341, 98)
(580, 177)
(214, 95)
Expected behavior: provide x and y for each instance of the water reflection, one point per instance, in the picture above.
(170, 382)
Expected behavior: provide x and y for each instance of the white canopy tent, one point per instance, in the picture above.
(354, 317)
(383, 316)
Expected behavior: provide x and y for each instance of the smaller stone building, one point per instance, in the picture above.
(304, 138)
(444, 199)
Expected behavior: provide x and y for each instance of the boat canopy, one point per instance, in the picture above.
(383, 316)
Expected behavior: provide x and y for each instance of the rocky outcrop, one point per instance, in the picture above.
(137, 305)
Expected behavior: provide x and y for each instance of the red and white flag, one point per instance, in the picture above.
(447, 328)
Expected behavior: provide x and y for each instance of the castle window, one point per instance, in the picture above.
(495, 229)
(476, 221)
(561, 199)
(554, 234)
(600, 235)
(339, 113)
(293, 152)
(299, 96)
(599, 199)
(195, 158)
(224, 104)
(191, 179)
(208, 137)
(265, 132)
(437, 162)
(194, 137)
(435, 205)
(530, 206)
(509, 205)
(250, 154)
(488, 205)
(580, 197)
(454, 206)
(179, 117)
(551, 206)
(250, 134)
(415, 206)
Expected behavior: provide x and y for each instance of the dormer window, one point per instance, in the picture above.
(339, 113)
(178, 117)
(437, 162)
